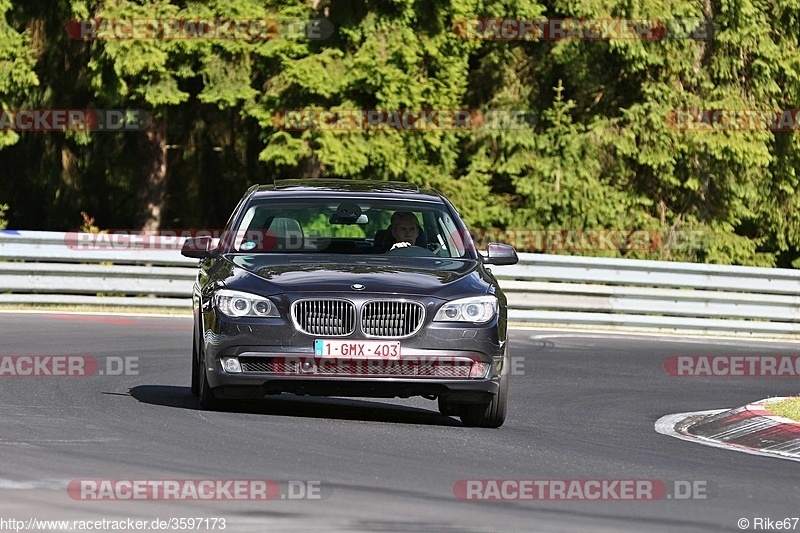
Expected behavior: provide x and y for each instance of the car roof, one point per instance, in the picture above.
(324, 186)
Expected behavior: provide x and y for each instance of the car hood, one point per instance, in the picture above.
(443, 278)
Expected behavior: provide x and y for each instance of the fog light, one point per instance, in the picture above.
(478, 370)
(231, 365)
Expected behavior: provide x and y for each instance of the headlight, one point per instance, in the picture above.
(236, 304)
(477, 310)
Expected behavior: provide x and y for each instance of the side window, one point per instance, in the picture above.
(227, 237)
(247, 236)
(452, 236)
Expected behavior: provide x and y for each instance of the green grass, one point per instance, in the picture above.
(786, 408)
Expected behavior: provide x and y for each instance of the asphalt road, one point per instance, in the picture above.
(582, 406)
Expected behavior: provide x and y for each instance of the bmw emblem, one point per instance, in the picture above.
(357, 287)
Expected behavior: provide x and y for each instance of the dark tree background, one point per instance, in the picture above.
(601, 155)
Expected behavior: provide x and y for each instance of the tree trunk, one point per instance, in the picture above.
(153, 192)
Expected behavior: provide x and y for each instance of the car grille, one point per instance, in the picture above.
(264, 364)
(454, 369)
(391, 319)
(325, 317)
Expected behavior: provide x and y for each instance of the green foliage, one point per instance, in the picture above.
(17, 76)
(319, 226)
(602, 154)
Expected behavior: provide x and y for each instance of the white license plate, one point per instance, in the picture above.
(357, 349)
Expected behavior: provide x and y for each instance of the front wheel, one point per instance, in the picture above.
(208, 401)
(491, 415)
(195, 365)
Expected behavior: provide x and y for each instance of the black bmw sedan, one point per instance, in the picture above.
(350, 288)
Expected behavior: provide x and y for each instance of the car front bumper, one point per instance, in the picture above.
(450, 361)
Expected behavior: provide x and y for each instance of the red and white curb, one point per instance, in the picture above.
(751, 429)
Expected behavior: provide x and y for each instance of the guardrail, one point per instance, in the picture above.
(665, 295)
(46, 267)
(50, 268)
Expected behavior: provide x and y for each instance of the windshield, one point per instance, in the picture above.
(350, 226)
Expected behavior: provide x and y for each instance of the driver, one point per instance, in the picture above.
(404, 228)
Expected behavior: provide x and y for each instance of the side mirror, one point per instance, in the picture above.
(197, 248)
(500, 254)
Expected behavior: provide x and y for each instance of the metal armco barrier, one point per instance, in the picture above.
(49, 268)
(44, 267)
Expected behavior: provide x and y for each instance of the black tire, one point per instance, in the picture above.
(208, 401)
(448, 408)
(491, 415)
(195, 365)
